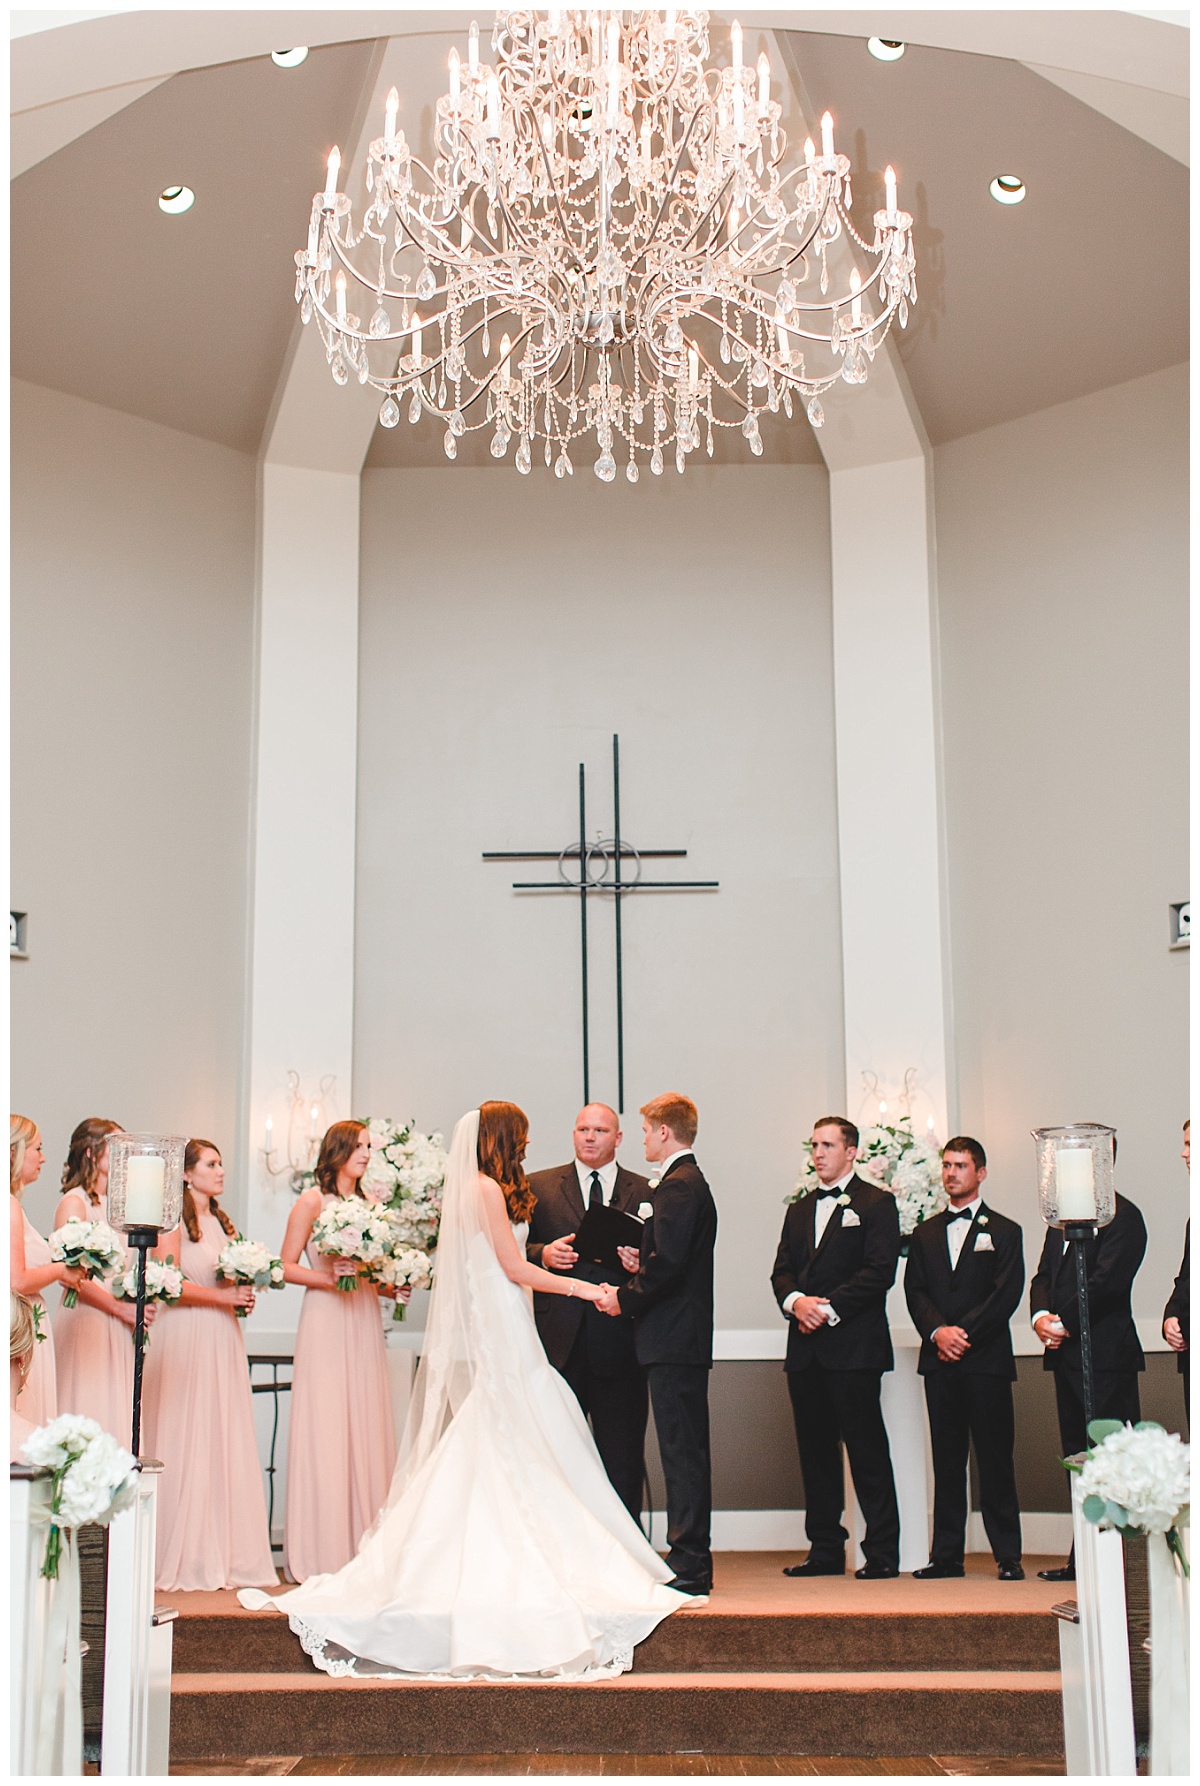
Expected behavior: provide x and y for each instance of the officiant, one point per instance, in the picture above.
(594, 1352)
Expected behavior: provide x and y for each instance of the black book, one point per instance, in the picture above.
(602, 1231)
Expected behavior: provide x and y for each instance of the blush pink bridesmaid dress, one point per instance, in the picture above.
(341, 1444)
(93, 1349)
(198, 1420)
(38, 1401)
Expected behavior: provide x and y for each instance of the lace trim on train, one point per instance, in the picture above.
(333, 1660)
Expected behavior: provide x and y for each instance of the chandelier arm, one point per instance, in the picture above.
(671, 182)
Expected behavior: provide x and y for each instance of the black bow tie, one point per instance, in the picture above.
(962, 1215)
(828, 1196)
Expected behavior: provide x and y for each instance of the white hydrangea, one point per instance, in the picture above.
(1143, 1472)
(94, 1474)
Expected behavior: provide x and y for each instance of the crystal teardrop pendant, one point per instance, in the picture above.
(673, 339)
(414, 408)
(426, 283)
(725, 350)
(381, 322)
(449, 445)
(389, 413)
(562, 465)
(605, 468)
(499, 444)
(756, 445)
(680, 457)
(656, 461)
(306, 307)
(457, 424)
(524, 457)
(341, 373)
(787, 405)
(816, 414)
(631, 471)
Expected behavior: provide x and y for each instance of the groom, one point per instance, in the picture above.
(670, 1297)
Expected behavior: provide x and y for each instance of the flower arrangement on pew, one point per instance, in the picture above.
(892, 1157)
(93, 1477)
(245, 1261)
(1137, 1480)
(93, 1246)
(164, 1283)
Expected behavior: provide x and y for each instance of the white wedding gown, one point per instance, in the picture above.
(503, 1549)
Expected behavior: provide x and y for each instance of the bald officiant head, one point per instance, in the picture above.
(597, 1135)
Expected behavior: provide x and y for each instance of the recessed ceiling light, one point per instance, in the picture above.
(289, 58)
(176, 199)
(1007, 189)
(885, 49)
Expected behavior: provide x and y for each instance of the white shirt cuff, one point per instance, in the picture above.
(1034, 1319)
(789, 1302)
(831, 1315)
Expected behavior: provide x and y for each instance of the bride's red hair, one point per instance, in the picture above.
(503, 1133)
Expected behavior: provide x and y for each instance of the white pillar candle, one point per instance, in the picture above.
(145, 1188)
(735, 37)
(827, 136)
(331, 171)
(455, 78)
(889, 182)
(473, 48)
(391, 107)
(1075, 1184)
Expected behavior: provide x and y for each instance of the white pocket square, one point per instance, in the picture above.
(850, 1220)
(983, 1243)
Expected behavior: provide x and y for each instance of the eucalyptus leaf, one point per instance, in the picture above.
(1099, 1430)
(1093, 1508)
(1116, 1514)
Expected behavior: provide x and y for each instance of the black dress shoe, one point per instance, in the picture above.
(1009, 1572)
(876, 1572)
(814, 1566)
(1066, 1573)
(689, 1587)
(939, 1572)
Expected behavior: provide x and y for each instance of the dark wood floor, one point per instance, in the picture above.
(619, 1766)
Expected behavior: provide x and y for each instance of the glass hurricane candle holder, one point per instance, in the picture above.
(145, 1181)
(1075, 1174)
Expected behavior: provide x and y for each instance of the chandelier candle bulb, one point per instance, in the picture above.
(1075, 1184)
(739, 116)
(455, 79)
(505, 369)
(390, 110)
(735, 39)
(889, 183)
(331, 176)
(314, 237)
(810, 153)
(827, 136)
(339, 285)
(693, 370)
(473, 48)
(145, 1186)
(669, 23)
(270, 1140)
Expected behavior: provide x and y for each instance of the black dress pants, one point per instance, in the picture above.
(1115, 1394)
(618, 1406)
(968, 1409)
(831, 1408)
(679, 1397)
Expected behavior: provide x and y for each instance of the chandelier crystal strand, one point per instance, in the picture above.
(612, 241)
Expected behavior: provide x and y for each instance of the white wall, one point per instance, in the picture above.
(1063, 558)
(508, 628)
(132, 639)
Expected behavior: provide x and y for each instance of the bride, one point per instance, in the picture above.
(502, 1548)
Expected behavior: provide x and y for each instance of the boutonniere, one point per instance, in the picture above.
(653, 1184)
(981, 1219)
(645, 1211)
(844, 1199)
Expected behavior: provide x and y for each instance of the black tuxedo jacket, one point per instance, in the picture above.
(1113, 1258)
(559, 1210)
(854, 1268)
(980, 1294)
(671, 1298)
(1180, 1301)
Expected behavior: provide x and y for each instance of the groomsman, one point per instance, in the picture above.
(1177, 1316)
(597, 1356)
(1113, 1257)
(835, 1265)
(671, 1300)
(963, 1281)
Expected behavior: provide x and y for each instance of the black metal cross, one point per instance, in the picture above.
(600, 871)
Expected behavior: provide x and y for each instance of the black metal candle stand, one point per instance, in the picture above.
(142, 1240)
(1077, 1234)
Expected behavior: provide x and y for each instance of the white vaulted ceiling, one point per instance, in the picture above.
(188, 321)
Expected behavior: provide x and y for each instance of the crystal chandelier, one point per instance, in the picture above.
(611, 241)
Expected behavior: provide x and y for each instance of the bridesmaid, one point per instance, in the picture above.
(31, 1271)
(341, 1448)
(93, 1340)
(22, 1339)
(212, 1517)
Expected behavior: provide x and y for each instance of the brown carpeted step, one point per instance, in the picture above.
(705, 1641)
(977, 1713)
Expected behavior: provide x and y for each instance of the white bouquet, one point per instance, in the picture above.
(92, 1245)
(1137, 1479)
(164, 1283)
(245, 1261)
(407, 1268)
(897, 1161)
(352, 1228)
(93, 1477)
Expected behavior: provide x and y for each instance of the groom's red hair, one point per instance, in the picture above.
(503, 1133)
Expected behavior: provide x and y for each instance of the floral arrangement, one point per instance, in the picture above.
(93, 1477)
(1137, 1480)
(407, 1268)
(249, 1262)
(92, 1245)
(164, 1283)
(352, 1228)
(406, 1172)
(895, 1159)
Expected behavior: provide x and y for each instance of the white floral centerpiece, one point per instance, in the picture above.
(92, 1245)
(892, 1157)
(93, 1477)
(164, 1283)
(1137, 1480)
(244, 1261)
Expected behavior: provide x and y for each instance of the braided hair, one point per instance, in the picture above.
(191, 1219)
